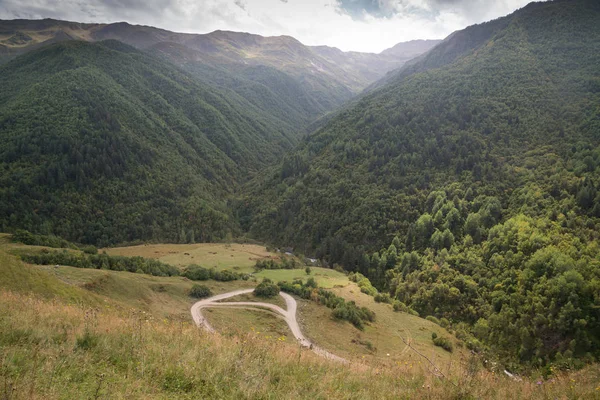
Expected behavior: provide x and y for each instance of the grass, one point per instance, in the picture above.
(277, 300)
(381, 341)
(232, 256)
(52, 350)
(326, 278)
(259, 324)
(73, 333)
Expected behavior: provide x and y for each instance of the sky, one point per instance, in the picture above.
(350, 25)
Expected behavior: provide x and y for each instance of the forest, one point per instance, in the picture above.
(104, 144)
(466, 186)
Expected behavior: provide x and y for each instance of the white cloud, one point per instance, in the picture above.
(360, 25)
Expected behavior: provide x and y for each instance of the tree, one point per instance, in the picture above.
(307, 270)
(266, 289)
(200, 291)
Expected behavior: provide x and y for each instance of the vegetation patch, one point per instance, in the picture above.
(100, 261)
(342, 310)
(200, 291)
(266, 289)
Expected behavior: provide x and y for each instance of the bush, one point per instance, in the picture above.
(347, 311)
(444, 343)
(200, 291)
(101, 261)
(90, 250)
(399, 306)
(197, 273)
(383, 298)
(266, 289)
(26, 237)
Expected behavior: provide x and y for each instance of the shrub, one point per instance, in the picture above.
(399, 306)
(26, 237)
(266, 289)
(444, 343)
(383, 298)
(200, 291)
(196, 273)
(90, 250)
(101, 261)
(347, 311)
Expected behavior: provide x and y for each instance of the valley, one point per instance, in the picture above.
(233, 215)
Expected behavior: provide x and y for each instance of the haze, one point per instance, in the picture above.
(357, 25)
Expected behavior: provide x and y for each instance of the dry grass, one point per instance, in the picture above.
(277, 300)
(61, 340)
(235, 257)
(160, 296)
(258, 324)
(325, 277)
(51, 350)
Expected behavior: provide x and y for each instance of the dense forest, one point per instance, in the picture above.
(466, 185)
(101, 143)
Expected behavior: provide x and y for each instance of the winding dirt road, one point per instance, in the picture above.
(288, 315)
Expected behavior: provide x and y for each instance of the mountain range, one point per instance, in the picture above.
(326, 77)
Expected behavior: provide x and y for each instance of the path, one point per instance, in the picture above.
(288, 315)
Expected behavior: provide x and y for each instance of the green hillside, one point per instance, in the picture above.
(278, 75)
(466, 185)
(82, 332)
(101, 143)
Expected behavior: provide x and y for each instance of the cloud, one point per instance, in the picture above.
(241, 4)
(469, 10)
(359, 9)
(360, 25)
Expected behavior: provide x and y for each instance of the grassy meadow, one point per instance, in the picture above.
(53, 350)
(326, 278)
(232, 256)
(86, 333)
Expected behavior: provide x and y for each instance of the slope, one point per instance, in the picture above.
(102, 143)
(322, 77)
(493, 132)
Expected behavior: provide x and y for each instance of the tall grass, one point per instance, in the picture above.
(53, 350)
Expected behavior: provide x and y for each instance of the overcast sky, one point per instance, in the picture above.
(360, 25)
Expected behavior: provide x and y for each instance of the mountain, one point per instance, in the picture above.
(466, 184)
(371, 67)
(103, 143)
(325, 78)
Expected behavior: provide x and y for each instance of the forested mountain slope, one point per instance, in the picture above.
(269, 72)
(467, 184)
(102, 143)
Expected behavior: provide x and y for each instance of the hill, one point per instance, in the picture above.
(277, 74)
(70, 332)
(465, 185)
(102, 143)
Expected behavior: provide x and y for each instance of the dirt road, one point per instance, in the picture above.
(288, 315)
